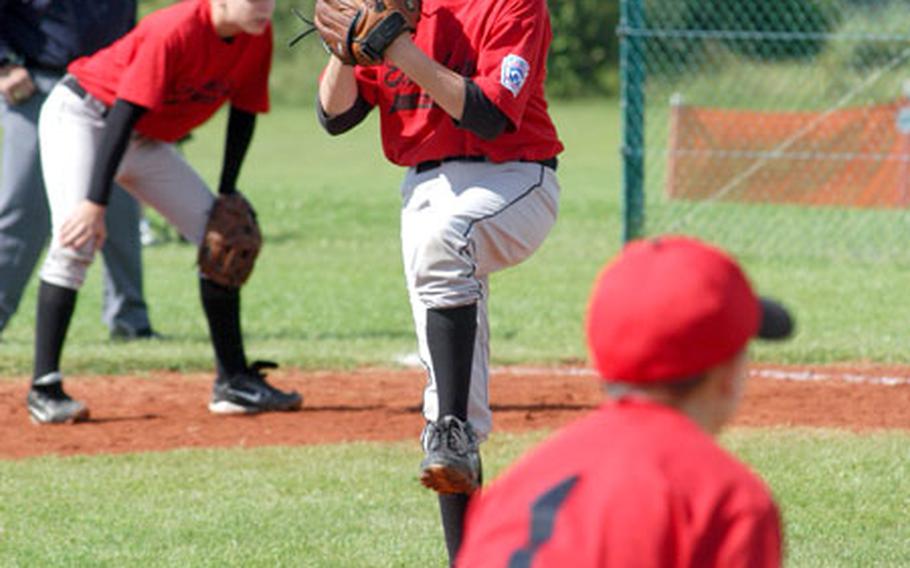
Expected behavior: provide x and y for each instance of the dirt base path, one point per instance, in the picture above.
(168, 410)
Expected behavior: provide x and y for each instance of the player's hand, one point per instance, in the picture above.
(85, 225)
(16, 84)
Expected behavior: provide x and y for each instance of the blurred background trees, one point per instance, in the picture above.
(583, 56)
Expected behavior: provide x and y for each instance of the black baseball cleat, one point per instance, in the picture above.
(54, 406)
(452, 461)
(249, 393)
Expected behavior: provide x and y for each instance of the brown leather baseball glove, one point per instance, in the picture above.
(359, 31)
(232, 241)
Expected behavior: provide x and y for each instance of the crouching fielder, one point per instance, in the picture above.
(115, 116)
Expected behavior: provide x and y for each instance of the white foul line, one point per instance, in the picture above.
(804, 375)
(855, 378)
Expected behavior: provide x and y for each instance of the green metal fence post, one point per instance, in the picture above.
(632, 75)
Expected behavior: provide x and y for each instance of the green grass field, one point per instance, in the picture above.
(328, 292)
(844, 499)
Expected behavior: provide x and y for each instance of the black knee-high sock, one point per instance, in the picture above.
(55, 310)
(222, 310)
(452, 508)
(450, 337)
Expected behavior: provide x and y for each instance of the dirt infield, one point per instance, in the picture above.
(168, 410)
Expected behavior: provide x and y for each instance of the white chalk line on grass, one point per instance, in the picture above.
(412, 360)
(775, 374)
(856, 378)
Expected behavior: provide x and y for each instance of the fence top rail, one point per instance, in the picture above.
(671, 33)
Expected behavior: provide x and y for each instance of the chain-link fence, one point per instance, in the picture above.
(778, 128)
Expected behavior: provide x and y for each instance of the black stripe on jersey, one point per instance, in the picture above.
(543, 517)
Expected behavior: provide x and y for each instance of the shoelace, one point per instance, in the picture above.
(302, 34)
(455, 437)
(458, 440)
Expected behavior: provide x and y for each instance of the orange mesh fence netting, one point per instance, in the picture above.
(852, 157)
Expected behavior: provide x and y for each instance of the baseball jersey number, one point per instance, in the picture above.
(543, 517)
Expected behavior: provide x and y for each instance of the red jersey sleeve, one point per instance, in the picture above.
(253, 94)
(513, 56)
(145, 77)
(367, 78)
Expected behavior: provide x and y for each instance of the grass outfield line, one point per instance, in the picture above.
(844, 499)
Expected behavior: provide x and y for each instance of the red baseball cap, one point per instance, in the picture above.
(672, 307)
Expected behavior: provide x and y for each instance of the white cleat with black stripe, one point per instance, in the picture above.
(249, 393)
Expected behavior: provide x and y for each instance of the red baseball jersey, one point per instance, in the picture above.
(502, 46)
(174, 64)
(633, 484)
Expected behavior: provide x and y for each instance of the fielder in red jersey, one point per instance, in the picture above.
(640, 481)
(174, 66)
(462, 107)
(115, 116)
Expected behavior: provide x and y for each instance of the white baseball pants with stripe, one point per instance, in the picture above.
(69, 131)
(460, 222)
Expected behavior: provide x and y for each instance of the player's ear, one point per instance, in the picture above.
(729, 377)
(733, 385)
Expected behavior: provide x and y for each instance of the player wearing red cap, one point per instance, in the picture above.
(640, 481)
(461, 105)
(116, 116)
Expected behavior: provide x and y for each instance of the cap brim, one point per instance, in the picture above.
(776, 322)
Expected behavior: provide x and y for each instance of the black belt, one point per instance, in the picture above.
(433, 164)
(71, 83)
(38, 66)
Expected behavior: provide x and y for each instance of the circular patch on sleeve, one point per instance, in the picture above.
(513, 73)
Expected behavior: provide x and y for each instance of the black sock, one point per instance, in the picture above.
(55, 310)
(450, 337)
(452, 508)
(222, 310)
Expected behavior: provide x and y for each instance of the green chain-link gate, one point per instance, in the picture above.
(777, 128)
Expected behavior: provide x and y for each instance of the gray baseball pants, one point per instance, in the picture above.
(461, 222)
(154, 172)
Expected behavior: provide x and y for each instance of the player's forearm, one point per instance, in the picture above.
(239, 135)
(337, 88)
(445, 86)
(117, 128)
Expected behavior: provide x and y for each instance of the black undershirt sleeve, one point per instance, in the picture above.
(115, 136)
(345, 121)
(239, 134)
(480, 115)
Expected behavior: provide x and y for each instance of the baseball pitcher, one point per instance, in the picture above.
(459, 87)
